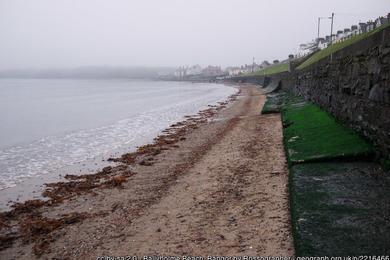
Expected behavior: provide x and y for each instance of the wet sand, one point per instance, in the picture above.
(215, 184)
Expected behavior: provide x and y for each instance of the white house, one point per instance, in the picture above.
(342, 35)
(381, 21)
(339, 35)
(322, 43)
(354, 30)
(233, 71)
(307, 48)
(194, 70)
(347, 32)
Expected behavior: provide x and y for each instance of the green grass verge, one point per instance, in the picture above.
(274, 69)
(339, 209)
(311, 134)
(338, 46)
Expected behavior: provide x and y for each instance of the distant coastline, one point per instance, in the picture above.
(90, 72)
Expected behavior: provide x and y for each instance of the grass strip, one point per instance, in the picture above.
(273, 69)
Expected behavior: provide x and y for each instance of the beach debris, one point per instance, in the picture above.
(172, 135)
(38, 230)
(145, 163)
(32, 228)
(116, 181)
(28, 206)
(7, 241)
(78, 184)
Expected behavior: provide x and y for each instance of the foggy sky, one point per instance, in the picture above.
(72, 33)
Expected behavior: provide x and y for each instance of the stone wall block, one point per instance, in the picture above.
(384, 50)
(376, 93)
(374, 66)
(355, 70)
(385, 59)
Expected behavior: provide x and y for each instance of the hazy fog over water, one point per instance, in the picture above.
(71, 33)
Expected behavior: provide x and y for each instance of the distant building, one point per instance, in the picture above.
(347, 33)
(186, 71)
(381, 21)
(307, 48)
(339, 35)
(370, 26)
(212, 71)
(245, 69)
(194, 70)
(322, 43)
(264, 64)
(232, 71)
(362, 27)
(354, 30)
(256, 67)
(342, 35)
(180, 72)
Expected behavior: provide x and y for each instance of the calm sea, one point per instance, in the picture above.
(47, 124)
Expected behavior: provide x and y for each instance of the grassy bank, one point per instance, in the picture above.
(338, 46)
(274, 69)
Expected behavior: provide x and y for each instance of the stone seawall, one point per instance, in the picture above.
(353, 85)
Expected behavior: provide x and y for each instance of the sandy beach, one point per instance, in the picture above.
(214, 184)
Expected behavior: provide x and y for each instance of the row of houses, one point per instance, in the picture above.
(245, 69)
(342, 35)
(197, 70)
(185, 71)
(210, 71)
(304, 49)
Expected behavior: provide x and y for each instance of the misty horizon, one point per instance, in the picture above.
(42, 34)
(90, 72)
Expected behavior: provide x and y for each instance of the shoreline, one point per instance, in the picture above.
(169, 176)
(61, 186)
(127, 114)
(32, 188)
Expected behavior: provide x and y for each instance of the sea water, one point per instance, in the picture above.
(48, 124)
